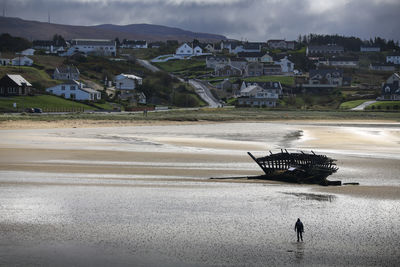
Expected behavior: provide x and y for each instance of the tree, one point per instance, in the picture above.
(58, 40)
(13, 44)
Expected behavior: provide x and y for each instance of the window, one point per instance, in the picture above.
(63, 87)
(72, 87)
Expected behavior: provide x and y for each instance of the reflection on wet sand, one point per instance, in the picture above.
(142, 196)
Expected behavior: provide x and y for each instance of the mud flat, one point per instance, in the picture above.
(102, 194)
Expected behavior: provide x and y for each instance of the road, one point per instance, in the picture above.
(363, 105)
(147, 65)
(202, 90)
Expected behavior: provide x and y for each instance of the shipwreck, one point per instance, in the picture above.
(307, 168)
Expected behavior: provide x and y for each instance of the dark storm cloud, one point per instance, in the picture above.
(240, 19)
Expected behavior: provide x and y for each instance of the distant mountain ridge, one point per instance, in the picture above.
(35, 30)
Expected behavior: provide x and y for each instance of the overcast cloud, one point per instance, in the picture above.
(254, 20)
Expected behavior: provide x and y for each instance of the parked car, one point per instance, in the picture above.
(29, 110)
(37, 110)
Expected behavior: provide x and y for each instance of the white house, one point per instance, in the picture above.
(134, 44)
(286, 65)
(127, 85)
(21, 61)
(367, 49)
(197, 50)
(74, 90)
(28, 52)
(184, 50)
(395, 59)
(92, 46)
(260, 94)
(4, 61)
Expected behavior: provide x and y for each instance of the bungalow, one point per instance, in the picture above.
(251, 56)
(74, 90)
(28, 52)
(140, 44)
(92, 46)
(21, 61)
(343, 62)
(324, 49)
(66, 72)
(391, 89)
(228, 70)
(12, 84)
(366, 48)
(281, 44)
(381, 67)
(394, 58)
(214, 61)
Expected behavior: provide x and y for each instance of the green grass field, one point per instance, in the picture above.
(284, 80)
(45, 102)
(385, 105)
(353, 103)
(182, 65)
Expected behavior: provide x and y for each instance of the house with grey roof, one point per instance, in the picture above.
(137, 44)
(391, 88)
(14, 85)
(74, 90)
(66, 72)
(97, 47)
(324, 49)
(281, 44)
(259, 94)
(324, 78)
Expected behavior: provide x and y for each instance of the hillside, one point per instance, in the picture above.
(35, 30)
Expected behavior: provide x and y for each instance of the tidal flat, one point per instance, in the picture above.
(141, 195)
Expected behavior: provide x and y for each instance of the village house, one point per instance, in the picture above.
(394, 58)
(324, 49)
(228, 70)
(391, 88)
(369, 49)
(239, 63)
(251, 56)
(260, 94)
(322, 78)
(253, 69)
(235, 47)
(92, 46)
(216, 61)
(14, 85)
(266, 59)
(343, 62)
(287, 66)
(66, 72)
(22, 61)
(210, 48)
(74, 90)
(128, 84)
(137, 44)
(186, 50)
(28, 52)
(5, 61)
(281, 44)
(272, 69)
(381, 67)
(48, 45)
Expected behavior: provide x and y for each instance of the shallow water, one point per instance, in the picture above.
(150, 203)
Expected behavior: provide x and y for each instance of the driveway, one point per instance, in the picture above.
(363, 105)
(204, 92)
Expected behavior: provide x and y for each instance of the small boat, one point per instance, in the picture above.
(308, 168)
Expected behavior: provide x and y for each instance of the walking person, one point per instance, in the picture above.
(299, 228)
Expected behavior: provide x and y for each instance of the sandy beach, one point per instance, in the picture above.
(138, 193)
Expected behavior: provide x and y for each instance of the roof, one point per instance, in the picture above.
(130, 76)
(266, 85)
(251, 46)
(93, 42)
(275, 41)
(67, 69)
(88, 90)
(21, 57)
(323, 72)
(18, 79)
(250, 88)
(250, 54)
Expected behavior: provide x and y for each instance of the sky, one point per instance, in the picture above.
(252, 20)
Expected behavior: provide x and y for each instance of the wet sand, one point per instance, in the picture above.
(140, 194)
